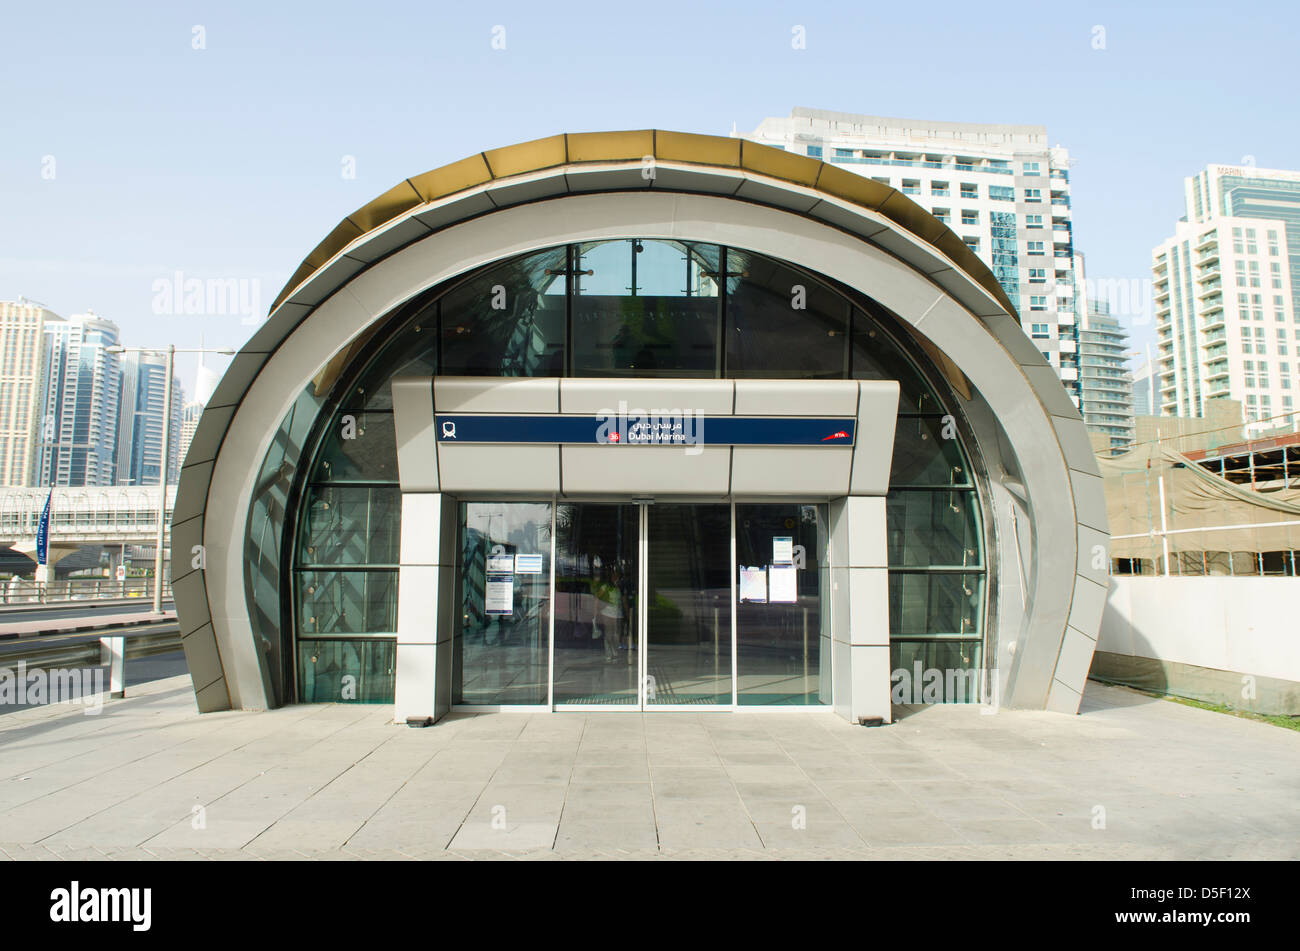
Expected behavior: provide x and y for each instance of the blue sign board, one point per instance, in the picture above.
(685, 429)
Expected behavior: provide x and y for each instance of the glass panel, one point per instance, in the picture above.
(688, 594)
(500, 655)
(877, 357)
(264, 594)
(596, 571)
(778, 643)
(781, 323)
(922, 456)
(640, 311)
(934, 603)
(350, 525)
(359, 447)
(359, 671)
(933, 528)
(935, 671)
(347, 602)
(508, 320)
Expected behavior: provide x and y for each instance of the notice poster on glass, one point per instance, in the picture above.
(528, 564)
(782, 549)
(753, 585)
(499, 595)
(783, 584)
(500, 561)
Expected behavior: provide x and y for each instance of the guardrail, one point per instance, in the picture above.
(87, 652)
(78, 589)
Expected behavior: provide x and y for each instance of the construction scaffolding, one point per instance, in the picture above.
(1205, 503)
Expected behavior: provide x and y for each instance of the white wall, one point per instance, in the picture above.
(1246, 625)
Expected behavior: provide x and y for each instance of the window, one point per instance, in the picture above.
(843, 153)
(969, 191)
(911, 186)
(939, 188)
(1035, 247)
(1033, 194)
(969, 217)
(1275, 270)
(943, 214)
(1002, 193)
(1272, 244)
(884, 180)
(973, 244)
(1038, 275)
(1254, 274)
(1033, 221)
(1040, 332)
(1037, 302)
(815, 151)
(1031, 168)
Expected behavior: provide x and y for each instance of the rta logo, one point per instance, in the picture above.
(840, 435)
(613, 437)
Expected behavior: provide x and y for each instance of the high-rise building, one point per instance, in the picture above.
(139, 439)
(22, 325)
(1227, 296)
(1146, 399)
(80, 381)
(1105, 386)
(1001, 188)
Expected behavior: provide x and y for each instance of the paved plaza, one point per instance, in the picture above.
(1130, 777)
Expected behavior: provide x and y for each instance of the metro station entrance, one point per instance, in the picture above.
(641, 606)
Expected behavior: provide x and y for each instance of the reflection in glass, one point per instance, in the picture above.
(955, 667)
(359, 447)
(508, 320)
(500, 654)
(688, 617)
(646, 308)
(347, 525)
(927, 453)
(779, 647)
(346, 671)
(781, 323)
(923, 603)
(347, 602)
(596, 570)
(937, 528)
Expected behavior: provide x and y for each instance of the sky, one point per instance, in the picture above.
(147, 143)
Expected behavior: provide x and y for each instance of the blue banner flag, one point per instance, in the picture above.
(43, 532)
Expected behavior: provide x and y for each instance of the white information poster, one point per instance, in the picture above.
(753, 584)
(783, 582)
(499, 594)
(528, 564)
(500, 562)
(782, 549)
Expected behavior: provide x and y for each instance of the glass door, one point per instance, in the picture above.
(597, 567)
(686, 613)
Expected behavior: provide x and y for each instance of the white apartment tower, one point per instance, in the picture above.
(22, 328)
(1225, 294)
(1001, 188)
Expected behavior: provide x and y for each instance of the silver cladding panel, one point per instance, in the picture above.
(651, 471)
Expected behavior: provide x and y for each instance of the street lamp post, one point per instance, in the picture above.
(165, 461)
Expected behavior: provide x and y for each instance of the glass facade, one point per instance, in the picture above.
(634, 308)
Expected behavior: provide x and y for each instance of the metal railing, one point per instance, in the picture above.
(78, 589)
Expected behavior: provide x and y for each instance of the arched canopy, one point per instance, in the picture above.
(1050, 512)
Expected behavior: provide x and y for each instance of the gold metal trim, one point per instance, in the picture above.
(710, 151)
